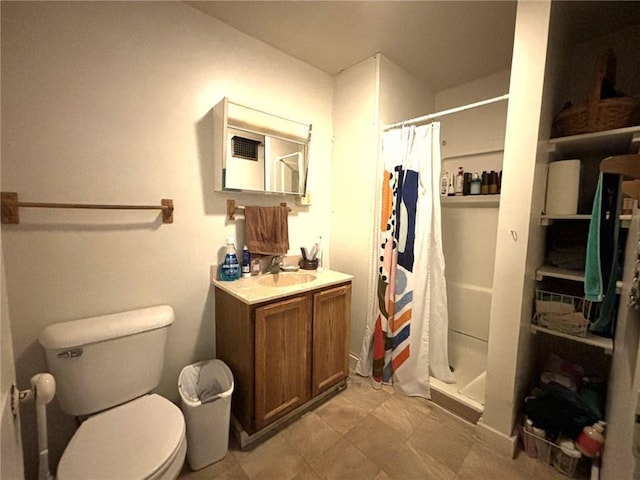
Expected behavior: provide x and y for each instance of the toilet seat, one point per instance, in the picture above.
(137, 440)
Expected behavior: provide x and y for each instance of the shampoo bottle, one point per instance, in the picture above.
(230, 267)
(246, 262)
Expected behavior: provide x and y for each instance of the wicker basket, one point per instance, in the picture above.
(598, 114)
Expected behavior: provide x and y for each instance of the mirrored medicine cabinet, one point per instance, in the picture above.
(255, 151)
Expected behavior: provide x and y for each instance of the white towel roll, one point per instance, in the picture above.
(563, 187)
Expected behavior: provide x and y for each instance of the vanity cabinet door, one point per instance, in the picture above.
(282, 364)
(331, 326)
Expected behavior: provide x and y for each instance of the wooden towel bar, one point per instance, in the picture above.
(11, 206)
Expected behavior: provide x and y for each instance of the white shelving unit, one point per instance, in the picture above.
(556, 272)
(608, 143)
(605, 343)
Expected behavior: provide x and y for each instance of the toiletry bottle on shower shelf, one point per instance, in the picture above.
(444, 183)
(466, 186)
(493, 182)
(484, 185)
(475, 184)
(459, 181)
(451, 192)
(230, 267)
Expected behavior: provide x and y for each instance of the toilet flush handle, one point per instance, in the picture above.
(73, 353)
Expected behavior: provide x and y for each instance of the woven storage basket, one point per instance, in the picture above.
(598, 114)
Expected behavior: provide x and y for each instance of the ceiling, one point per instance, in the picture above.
(443, 43)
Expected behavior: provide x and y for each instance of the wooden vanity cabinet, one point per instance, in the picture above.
(283, 353)
(330, 344)
(282, 341)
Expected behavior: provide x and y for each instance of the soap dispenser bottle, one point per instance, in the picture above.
(230, 267)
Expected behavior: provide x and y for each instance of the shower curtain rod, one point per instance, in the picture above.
(431, 116)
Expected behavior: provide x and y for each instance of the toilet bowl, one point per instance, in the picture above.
(105, 368)
(142, 439)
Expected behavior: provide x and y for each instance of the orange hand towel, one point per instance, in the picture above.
(267, 230)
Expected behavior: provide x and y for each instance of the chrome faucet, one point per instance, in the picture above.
(275, 265)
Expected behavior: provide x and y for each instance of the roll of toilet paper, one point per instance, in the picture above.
(563, 187)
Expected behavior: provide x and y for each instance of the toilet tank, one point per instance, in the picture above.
(100, 362)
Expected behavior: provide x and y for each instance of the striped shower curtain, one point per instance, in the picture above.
(406, 338)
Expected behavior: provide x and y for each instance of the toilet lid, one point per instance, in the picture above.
(132, 441)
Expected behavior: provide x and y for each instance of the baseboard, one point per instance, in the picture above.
(499, 442)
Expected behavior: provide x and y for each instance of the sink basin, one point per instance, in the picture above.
(285, 279)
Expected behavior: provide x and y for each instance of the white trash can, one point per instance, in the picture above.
(205, 392)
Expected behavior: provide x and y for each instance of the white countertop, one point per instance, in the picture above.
(249, 291)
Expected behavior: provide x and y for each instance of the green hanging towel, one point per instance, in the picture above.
(593, 285)
(602, 269)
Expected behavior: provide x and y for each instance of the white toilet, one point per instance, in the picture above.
(105, 367)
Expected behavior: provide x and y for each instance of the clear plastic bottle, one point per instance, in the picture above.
(475, 184)
(230, 267)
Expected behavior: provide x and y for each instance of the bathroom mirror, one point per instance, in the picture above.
(256, 151)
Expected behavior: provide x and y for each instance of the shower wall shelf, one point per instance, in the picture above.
(11, 207)
(477, 201)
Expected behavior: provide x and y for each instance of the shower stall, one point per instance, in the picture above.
(376, 93)
(474, 140)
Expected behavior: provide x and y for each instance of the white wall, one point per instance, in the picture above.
(355, 113)
(402, 96)
(110, 103)
(473, 139)
(10, 435)
(367, 96)
(514, 266)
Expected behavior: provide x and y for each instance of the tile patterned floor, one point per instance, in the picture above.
(355, 436)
